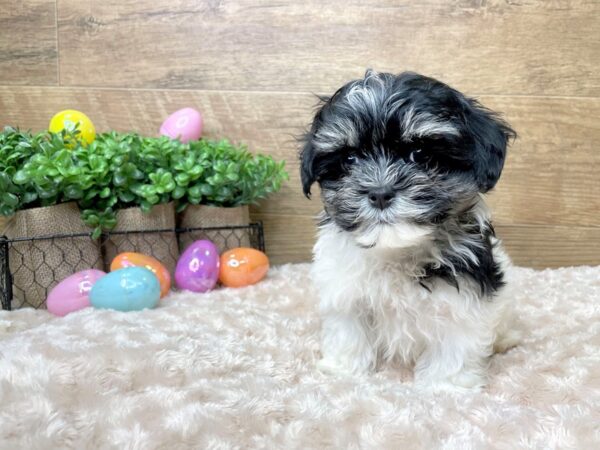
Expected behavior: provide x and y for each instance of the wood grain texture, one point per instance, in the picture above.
(551, 176)
(492, 47)
(289, 238)
(542, 246)
(28, 47)
(250, 66)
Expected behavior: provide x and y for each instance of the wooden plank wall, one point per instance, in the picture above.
(252, 67)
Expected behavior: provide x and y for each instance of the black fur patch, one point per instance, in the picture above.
(478, 151)
(486, 273)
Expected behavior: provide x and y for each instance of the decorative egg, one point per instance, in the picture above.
(128, 289)
(73, 293)
(185, 125)
(198, 267)
(243, 266)
(132, 259)
(87, 132)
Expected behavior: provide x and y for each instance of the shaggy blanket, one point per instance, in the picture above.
(235, 368)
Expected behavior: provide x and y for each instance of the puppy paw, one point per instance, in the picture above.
(441, 387)
(507, 340)
(336, 367)
(467, 381)
(331, 367)
(462, 382)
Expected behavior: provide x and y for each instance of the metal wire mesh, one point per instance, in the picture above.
(31, 267)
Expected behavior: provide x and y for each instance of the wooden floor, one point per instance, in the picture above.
(253, 67)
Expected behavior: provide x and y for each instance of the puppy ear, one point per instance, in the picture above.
(307, 159)
(491, 135)
(308, 174)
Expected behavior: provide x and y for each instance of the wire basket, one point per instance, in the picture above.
(59, 254)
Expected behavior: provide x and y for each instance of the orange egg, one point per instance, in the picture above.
(132, 259)
(242, 267)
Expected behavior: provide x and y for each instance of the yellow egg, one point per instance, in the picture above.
(70, 117)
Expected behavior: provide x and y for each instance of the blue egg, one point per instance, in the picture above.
(128, 289)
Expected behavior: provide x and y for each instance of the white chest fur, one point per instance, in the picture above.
(373, 304)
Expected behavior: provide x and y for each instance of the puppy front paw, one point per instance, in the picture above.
(332, 367)
(507, 340)
(461, 382)
(345, 346)
(342, 367)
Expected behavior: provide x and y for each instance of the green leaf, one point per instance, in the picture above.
(119, 179)
(182, 179)
(206, 189)
(73, 192)
(96, 233)
(20, 177)
(91, 220)
(29, 197)
(10, 199)
(5, 181)
(6, 210)
(169, 186)
(195, 191)
(46, 193)
(146, 207)
(126, 197)
(220, 167)
(110, 222)
(178, 192)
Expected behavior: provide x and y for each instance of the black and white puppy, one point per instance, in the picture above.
(407, 263)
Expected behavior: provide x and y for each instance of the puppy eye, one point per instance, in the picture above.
(414, 155)
(351, 159)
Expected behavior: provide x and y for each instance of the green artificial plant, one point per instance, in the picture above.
(123, 170)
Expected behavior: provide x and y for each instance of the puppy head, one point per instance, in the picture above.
(396, 155)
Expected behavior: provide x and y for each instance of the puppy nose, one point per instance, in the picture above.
(381, 198)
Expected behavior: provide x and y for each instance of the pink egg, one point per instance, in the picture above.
(198, 267)
(72, 293)
(185, 125)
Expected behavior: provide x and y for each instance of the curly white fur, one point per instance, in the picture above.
(375, 310)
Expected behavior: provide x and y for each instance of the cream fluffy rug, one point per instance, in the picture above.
(235, 369)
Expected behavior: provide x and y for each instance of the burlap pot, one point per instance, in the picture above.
(163, 246)
(204, 216)
(39, 265)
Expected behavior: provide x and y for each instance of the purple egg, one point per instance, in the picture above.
(198, 267)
